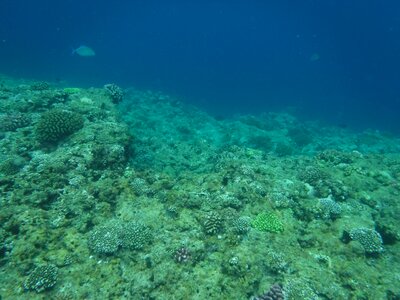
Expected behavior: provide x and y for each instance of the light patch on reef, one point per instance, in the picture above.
(86, 100)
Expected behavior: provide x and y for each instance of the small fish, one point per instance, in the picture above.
(315, 57)
(84, 51)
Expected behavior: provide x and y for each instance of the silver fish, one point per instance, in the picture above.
(84, 51)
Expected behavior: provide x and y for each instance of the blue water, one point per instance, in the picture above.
(335, 61)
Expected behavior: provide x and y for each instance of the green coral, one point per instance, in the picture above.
(72, 90)
(55, 125)
(267, 222)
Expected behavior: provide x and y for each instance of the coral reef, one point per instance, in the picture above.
(55, 125)
(154, 199)
(369, 239)
(267, 222)
(39, 86)
(11, 165)
(241, 225)
(274, 293)
(107, 239)
(182, 255)
(135, 235)
(115, 92)
(212, 223)
(13, 121)
(312, 175)
(329, 208)
(42, 278)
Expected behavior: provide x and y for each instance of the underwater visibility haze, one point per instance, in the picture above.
(333, 60)
(199, 150)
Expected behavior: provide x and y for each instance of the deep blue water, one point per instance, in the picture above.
(337, 61)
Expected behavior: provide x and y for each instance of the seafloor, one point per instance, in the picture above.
(111, 194)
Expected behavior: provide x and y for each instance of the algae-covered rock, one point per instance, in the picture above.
(388, 227)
